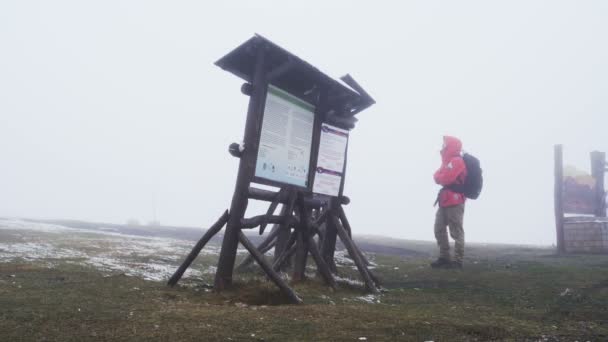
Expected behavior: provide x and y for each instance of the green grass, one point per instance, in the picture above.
(503, 294)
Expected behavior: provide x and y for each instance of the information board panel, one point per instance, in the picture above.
(330, 162)
(286, 139)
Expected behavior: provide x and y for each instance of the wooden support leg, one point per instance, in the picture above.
(369, 283)
(308, 233)
(267, 242)
(281, 245)
(284, 234)
(271, 209)
(321, 232)
(276, 278)
(238, 206)
(324, 270)
(214, 229)
(285, 256)
(328, 246)
(301, 257)
(346, 226)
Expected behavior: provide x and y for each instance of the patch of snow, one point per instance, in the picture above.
(209, 270)
(341, 258)
(18, 224)
(348, 281)
(370, 299)
(35, 251)
(150, 258)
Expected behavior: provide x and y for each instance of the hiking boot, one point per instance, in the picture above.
(441, 263)
(456, 265)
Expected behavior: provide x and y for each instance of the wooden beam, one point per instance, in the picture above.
(323, 268)
(598, 162)
(310, 230)
(214, 229)
(328, 245)
(259, 258)
(247, 223)
(348, 228)
(558, 197)
(301, 258)
(284, 233)
(286, 253)
(369, 282)
(269, 196)
(271, 210)
(238, 206)
(320, 220)
(269, 240)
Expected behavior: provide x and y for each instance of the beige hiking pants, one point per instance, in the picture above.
(451, 217)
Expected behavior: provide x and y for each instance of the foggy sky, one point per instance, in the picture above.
(109, 107)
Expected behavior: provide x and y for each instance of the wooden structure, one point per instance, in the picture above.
(584, 199)
(308, 222)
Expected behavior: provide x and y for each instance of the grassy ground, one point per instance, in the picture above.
(504, 293)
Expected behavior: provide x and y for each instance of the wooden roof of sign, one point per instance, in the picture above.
(296, 76)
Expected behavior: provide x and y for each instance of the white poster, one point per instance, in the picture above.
(330, 164)
(286, 139)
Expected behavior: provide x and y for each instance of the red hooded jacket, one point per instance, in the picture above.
(452, 171)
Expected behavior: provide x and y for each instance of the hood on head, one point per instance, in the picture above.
(451, 147)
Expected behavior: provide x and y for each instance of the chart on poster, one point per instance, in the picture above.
(330, 162)
(286, 139)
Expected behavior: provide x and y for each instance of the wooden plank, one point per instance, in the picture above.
(558, 197)
(214, 229)
(369, 282)
(276, 278)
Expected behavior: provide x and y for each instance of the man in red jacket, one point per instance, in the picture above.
(451, 204)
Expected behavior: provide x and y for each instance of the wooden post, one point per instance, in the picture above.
(324, 270)
(259, 258)
(217, 226)
(558, 198)
(284, 234)
(225, 266)
(598, 165)
(328, 246)
(299, 268)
